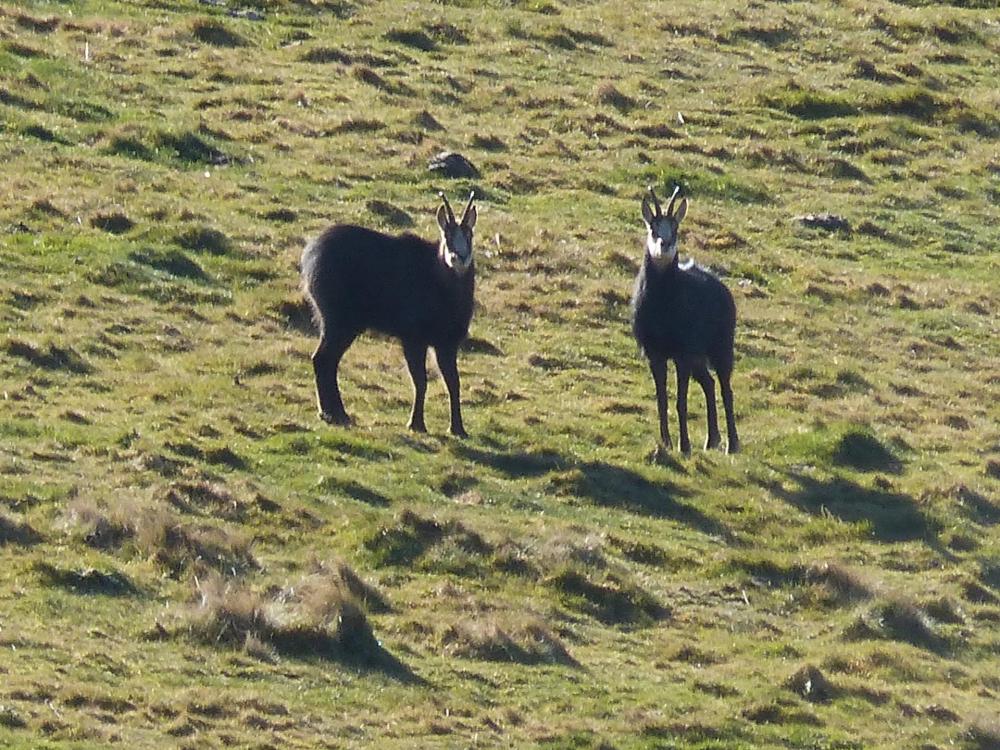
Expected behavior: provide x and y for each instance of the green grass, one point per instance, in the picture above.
(191, 558)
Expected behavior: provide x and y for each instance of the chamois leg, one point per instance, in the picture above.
(658, 367)
(727, 404)
(416, 360)
(326, 363)
(447, 360)
(683, 378)
(704, 378)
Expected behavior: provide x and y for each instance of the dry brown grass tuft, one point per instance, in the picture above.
(842, 584)
(523, 642)
(608, 94)
(317, 619)
(343, 576)
(158, 534)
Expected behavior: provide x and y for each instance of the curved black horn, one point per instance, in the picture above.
(656, 203)
(670, 206)
(447, 205)
(472, 197)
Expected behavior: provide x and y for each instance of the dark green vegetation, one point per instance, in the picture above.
(188, 557)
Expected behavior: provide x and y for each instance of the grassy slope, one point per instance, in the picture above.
(163, 363)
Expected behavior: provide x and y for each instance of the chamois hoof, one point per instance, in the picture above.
(417, 427)
(341, 420)
(459, 433)
(733, 447)
(713, 443)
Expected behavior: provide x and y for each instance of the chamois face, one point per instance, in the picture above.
(456, 238)
(661, 237)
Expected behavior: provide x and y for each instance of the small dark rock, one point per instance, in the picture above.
(828, 222)
(451, 164)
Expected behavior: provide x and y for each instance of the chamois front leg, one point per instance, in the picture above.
(658, 367)
(416, 360)
(447, 359)
(683, 379)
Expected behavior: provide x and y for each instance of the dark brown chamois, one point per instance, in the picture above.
(685, 314)
(417, 291)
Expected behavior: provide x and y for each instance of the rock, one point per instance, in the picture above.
(451, 164)
(829, 222)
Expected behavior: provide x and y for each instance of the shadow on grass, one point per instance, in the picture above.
(356, 491)
(599, 482)
(87, 582)
(863, 451)
(357, 649)
(14, 531)
(892, 516)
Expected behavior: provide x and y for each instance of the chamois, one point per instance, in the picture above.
(685, 314)
(414, 290)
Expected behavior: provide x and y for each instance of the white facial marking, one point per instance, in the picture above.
(457, 249)
(661, 243)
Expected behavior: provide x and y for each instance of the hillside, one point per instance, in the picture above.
(189, 557)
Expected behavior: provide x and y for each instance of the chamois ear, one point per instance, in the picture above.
(469, 220)
(442, 217)
(647, 212)
(681, 210)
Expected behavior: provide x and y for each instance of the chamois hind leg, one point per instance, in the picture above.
(727, 404)
(658, 368)
(416, 360)
(683, 378)
(704, 378)
(722, 363)
(326, 364)
(447, 360)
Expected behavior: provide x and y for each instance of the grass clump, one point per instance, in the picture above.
(914, 102)
(898, 619)
(412, 535)
(528, 642)
(316, 619)
(609, 94)
(809, 105)
(215, 33)
(413, 38)
(204, 240)
(113, 223)
(159, 535)
(190, 148)
(53, 357)
(611, 601)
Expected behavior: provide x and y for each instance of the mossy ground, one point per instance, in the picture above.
(550, 581)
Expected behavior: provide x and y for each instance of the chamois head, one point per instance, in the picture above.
(456, 236)
(661, 242)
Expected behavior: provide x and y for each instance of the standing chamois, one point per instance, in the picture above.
(417, 291)
(686, 314)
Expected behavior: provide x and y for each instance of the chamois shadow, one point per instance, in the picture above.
(892, 516)
(601, 483)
